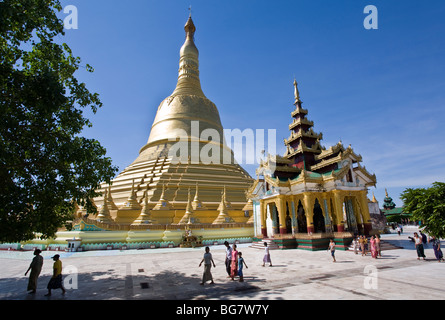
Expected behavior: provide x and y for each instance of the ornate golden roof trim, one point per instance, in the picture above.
(300, 121)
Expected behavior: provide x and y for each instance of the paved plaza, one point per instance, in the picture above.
(173, 274)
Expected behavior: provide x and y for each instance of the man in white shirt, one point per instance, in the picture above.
(228, 257)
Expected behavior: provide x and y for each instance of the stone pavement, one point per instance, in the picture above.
(173, 274)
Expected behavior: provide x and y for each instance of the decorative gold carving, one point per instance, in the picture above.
(300, 121)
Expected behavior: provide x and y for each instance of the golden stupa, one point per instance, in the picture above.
(182, 174)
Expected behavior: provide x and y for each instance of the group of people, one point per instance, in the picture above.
(36, 267)
(361, 243)
(421, 241)
(234, 263)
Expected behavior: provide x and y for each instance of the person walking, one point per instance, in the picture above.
(208, 261)
(362, 245)
(355, 244)
(436, 247)
(228, 261)
(419, 246)
(332, 249)
(234, 261)
(36, 268)
(377, 245)
(240, 266)
(56, 280)
(266, 257)
(365, 242)
(373, 248)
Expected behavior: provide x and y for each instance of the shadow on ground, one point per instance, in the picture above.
(165, 285)
(187, 287)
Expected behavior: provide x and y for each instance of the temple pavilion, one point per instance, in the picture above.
(311, 194)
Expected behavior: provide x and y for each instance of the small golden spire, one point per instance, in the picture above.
(188, 216)
(110, 201)
(227, 204)
(296, 92)
(223, 216)
(104, 213)
(190, 28)
(197, 204)
(189, 208)
(145, 216)
(188, 75)
(162, 203)
(132, 202)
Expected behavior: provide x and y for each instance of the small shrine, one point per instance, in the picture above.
(311, 194)
(189, 240)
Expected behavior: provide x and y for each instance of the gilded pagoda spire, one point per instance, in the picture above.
(373, 198)
(188, 74)
(296, 92)
(168, 167)
(185, 109)
(303, 144)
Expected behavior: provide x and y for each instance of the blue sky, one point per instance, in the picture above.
(382, 91)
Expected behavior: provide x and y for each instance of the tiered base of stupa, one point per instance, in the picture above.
(97, 236)
(155, 203)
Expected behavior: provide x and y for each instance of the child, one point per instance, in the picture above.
(355, 244)
(332, 249)
(240, 266)
(208, 260)
(267, 255)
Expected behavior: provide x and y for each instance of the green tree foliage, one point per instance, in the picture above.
(428, 206)
(45, 164)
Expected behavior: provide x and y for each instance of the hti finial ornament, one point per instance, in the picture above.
(296, 92)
